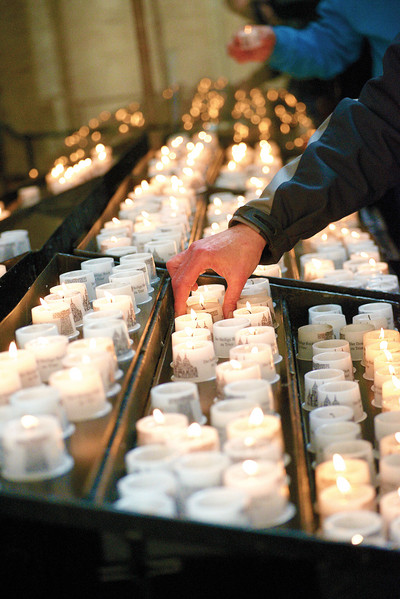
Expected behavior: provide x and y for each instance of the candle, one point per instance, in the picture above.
(101, 268)
(48, 352)
(359, 449)
(338, 430)
(82, 392)
(180, 397)
(323, 309)
(33, 449)
(314, 379)
(389, 472)
(200, 303)
(189, 334)
(212, 290)
(194, 360)
(253, 448)
(120, 302)
(256, 425)
(356, 471)
(376, 336)
(100, 359)
(324, 415)
(25, 334)
(116, 329)
(344, 393)
(309, 334)
(220, 505)
(194, 320)
(386, 423)
(109, 243)
(257, 352)
(160, 427)
(389, 507)
(56, 312)
(259, 335)
(145, 257)
(257, 315)
(356, 527)
(328, 345)
(345, 497)
(81, 276)
(233, 370)
(153, 503)
(23, 362)
(379, 309)
(10, 381)
(337, 360)
(160, 481)
(154, 456)
(258, 390)
(224, 334)
(391, 394)
(337, 321)
(383, 373)
(80, 287)
(389, 444)
(199, 470)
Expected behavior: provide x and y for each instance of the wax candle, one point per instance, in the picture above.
(10, 381)
(101, 268)
(198, 470)
(23, 362)
(324, 415)
(233, 370)
(338, 430)
(389, 444)
(82, 392)
(345, 497)
(180, 397)
(212, 290)
(224, 334)
(57, 312)
(220, 505)
(116, 329)
(308, 335)
(391, 394)
(386, 423)
(253, 448)
(258, 390)
(257, 315)
(25, 334)
(356, 471)
(257, 352)
(194, 320)
(337, 360)
(194, 360)
(120, 302)
(48, 352)
(153, 456)
(210, 305)
(389, 472)
(259, 335)
(145, 257)
(159, 427)
(80, 287)
(152, 503)
(189, 334)
(33, 449)
(256, 425)
(345, 393)
(81, 276)
(389, 507)
(100, 359)
(356, 527)
(379, 308)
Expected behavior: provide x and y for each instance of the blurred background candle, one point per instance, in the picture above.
(23, 362)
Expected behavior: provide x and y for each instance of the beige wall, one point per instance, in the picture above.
(63, 61)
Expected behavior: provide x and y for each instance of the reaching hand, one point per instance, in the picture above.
(233, 254)
(260, 52)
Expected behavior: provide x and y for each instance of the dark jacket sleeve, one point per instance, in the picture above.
(350, 162)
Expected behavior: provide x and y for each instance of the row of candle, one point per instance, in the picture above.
(14, 243)
(70, 379)
(345, 471)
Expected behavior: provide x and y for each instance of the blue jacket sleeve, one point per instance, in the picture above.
(323, 49)
(351, 162)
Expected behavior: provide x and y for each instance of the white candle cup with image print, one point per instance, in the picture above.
(344, 393)
(233, 370)
(257, 315)
(198, 470)
(117, 223)
(258, 390)
(82, 392)
(309, 334)
(32, 331)
(378, 322)
(39, 400)
(132, 269)
(356, 527)
(101, 268)
(196, 438)
(257, 352)
(23, 362)
(194, 360)
(377, 335)
(212, 290)
(66, 288)
(313, 379)
(389, 444)
(162, 250)
(57, 312)
(254, 448)
(336, 360)
(75, 300)
(325, 415)
(150, 457)
(337, 321)
(331, 432)
(383, 372)
(120, 302)
(122, 251)
(189, 334)
(259, 335)
(391, 394)
(33, 449)
(111, 241)
(386, 423)
(383, 309)
(181, 397)
(48, 352)
(328, 345)
(81, 276)
(224, 334)
(224, 411)
(100, 359)
(211, 304)
(116, 329)
(257, 425)
(115, 288)
(323, 309)
(147, 258)
(194, 320)
(354, 335)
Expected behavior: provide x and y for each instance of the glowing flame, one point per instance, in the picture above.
(383, 345)
(248, 307)
(388, 355)
(189, 331)
(248, 441)
(382, 334)
(29, 421)
(194, 430)
(109, 296)
(201, 301)
(12, 350)
(158, 416)
(193, 314)
(254, 350)
(357, 539)
(236, 365)
(248, 29)
(372, 262)
(43, 303)
(256, 417)
(397, 437)
(338, 463)
(396, 382)
(343, 485)
(75, 374)
(391, 369)
(250, 467)
(116, 220)
(324, 237)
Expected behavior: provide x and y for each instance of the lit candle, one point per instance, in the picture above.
(224, 334)
(160, 427)
(194, 360)
(212, 290)
(190, 334)
(389, 444)
(82, 392)
(110, 243)
(382, 374)
(233, 370)
(256, 425)
(257, 352)
(23, 362)
(10, 382)
(48, 351)
(80, 287)
(356, 527)
(120, 302)
(345, 497)
(391, 394)
(33, 449)
(57, 312)
(200, 469)
(200, 303)
(25, 334)
(257, 315)
(259, 335)
(356, 471)
(389, 506)
(202, 320)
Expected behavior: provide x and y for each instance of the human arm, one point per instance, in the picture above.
(352, 160)
(323, 49)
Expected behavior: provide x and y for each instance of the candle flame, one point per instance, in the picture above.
(12, 350)
(383, 345)
(116, 220)
(254, 350)
(256, 417)
(194, 430)
(248, 441)
(343, 484)
(43, 302)
(75, 374)
(236, 365)
(324, 237)
(397, 437)
(201, 301)
(158, 416)
(193, 314)
(248, 306)
(338, 463)
(382, 334)
(396, 382)
(29, 421)
(391, 369)
(189, 331)
(109, 296)
(357, 539)
(92, 343)
(247, 29)
(388, 355)
(250, 467)
(372, 262)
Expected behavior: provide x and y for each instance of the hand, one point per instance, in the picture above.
(260, 52)
(233, 254)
